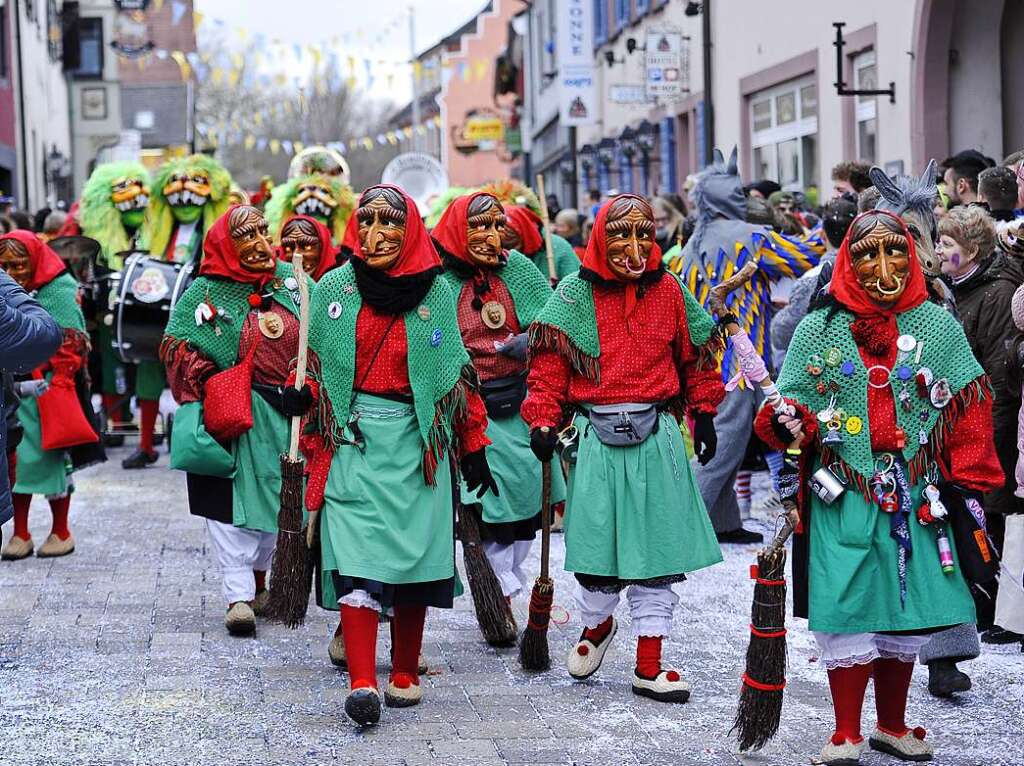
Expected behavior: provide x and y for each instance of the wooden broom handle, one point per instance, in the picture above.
(545, 517)
(300, 367)
(552, 271)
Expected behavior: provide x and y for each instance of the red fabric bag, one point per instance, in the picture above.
(61, 420)
(227, 400)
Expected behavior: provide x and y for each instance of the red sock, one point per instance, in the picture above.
(21, 503)
(148, 410)
(892, 684)
(848, 686)
(59, 507)
(648, 656)
(360, 631)
(598, 634)
(407, 637)
(261, 580)
(12, 468)
(112, 404)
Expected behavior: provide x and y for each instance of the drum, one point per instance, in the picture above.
(148, 290)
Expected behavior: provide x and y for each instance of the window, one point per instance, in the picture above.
(145, 120)
(90, 46)
(622, 11)
(642, 6)
(600, 22)
(784, 133)
(3, 40)
(865, 77)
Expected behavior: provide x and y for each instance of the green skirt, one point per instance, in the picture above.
(40, 472)
(380, 520)
(635, 512)
(256, 487)
(516, 471)
(853, 584)
(150, 381)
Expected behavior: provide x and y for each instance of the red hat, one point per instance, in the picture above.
(220, 258)
(527, 225)
(45, 263)
(328, 258)
(418, 253)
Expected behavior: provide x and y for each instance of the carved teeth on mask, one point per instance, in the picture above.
(141, 201)
(174, 199)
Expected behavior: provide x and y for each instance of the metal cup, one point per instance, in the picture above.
(826, 485)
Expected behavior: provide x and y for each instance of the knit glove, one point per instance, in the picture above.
(705, 439)
(32, 389)
(296, 401)
(477, 474)
(542, 442)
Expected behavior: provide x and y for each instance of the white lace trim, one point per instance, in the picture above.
(849, 662)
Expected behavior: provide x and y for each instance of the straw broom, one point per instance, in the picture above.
(761, 694)
(533, 649)
(493, 612)
(291, 575)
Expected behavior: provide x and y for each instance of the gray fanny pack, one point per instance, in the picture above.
(623, 425)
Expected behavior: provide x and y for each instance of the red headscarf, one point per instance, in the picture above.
(328, 258)
(846, 289)
(527, 225)
(452, 231)
(875, 327)
(220, 258)
(596, 257)
(418, 253)
(46, 264)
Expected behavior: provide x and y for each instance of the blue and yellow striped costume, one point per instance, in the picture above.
(776, 256)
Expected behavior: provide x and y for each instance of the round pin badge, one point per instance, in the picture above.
(423, 312)
(833, 357)
(435, 337)
(291, 283)
(847, 369)
(940, 395)
(493, 315)
(854, 425)
(906, 343)
(815, 364)
(334, 310)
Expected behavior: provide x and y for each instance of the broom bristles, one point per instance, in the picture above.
(492, 610)
(290, 574)
(533, 648)
(761, 696)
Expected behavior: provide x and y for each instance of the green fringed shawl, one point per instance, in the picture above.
(233, 297)
(566, 262)
(945, 352)
(528, 287)
(436, 357)
(60, 298)
(568, 325)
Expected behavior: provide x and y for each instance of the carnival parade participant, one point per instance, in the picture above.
(307, 236)
(524, 232)
(111, 211)
(722, 243)
(228, 347)
(396, 402)
(626, 349)
(50, 411)
(498, 295)
(190, 194)
(887, 400)
(327, 198)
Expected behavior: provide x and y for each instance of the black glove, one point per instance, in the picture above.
(477, 474)
(705, 440)
(542, 442)
(296, 401)
(515, 347)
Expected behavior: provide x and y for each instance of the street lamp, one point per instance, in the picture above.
(606, 152)
(567, 170)
(628, 144)
(646, 140)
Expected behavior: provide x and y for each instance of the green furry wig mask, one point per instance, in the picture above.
(328, 199)
(185, 189)
(113, 206)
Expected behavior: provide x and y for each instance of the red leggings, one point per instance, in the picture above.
(59, 507)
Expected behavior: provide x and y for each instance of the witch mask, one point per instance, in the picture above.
(300, 236)
(381, 216)
(130, 197)
(249, 234)
(14, 259)
(510, 239)
(629, 237)
(187, 192)
(881, 257)
(485, 223)
(315, 199)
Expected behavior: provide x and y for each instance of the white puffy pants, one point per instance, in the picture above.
(1010, 600)
(650, 609)
(507, 563)
(844, 650)
(240, 551)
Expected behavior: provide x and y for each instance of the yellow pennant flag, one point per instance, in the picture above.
(183, 65)
(480, 68)
(217, 75)
(250, 142)
(157, 5)
(233, 77)
(197, 19)
(275, 146)
(299, 146)
(368, 143)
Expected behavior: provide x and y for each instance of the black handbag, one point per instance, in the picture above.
(503, 396)
(979, 560)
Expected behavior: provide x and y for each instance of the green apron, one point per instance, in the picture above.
(635, 512)
(516, 471)
(853, 585)
(380, 520)
(40, 472)
(150, 381)
(256, 486)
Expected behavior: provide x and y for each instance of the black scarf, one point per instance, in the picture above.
(392, 295)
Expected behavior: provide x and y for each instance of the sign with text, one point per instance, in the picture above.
(577, 75)
(666, 63)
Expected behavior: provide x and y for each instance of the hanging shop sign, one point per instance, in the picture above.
(576, 72)
(481, 130)
(131, 37)
(666, 61)
(131, 5)
(421, 175)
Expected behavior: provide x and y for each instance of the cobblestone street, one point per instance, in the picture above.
(118, 655)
